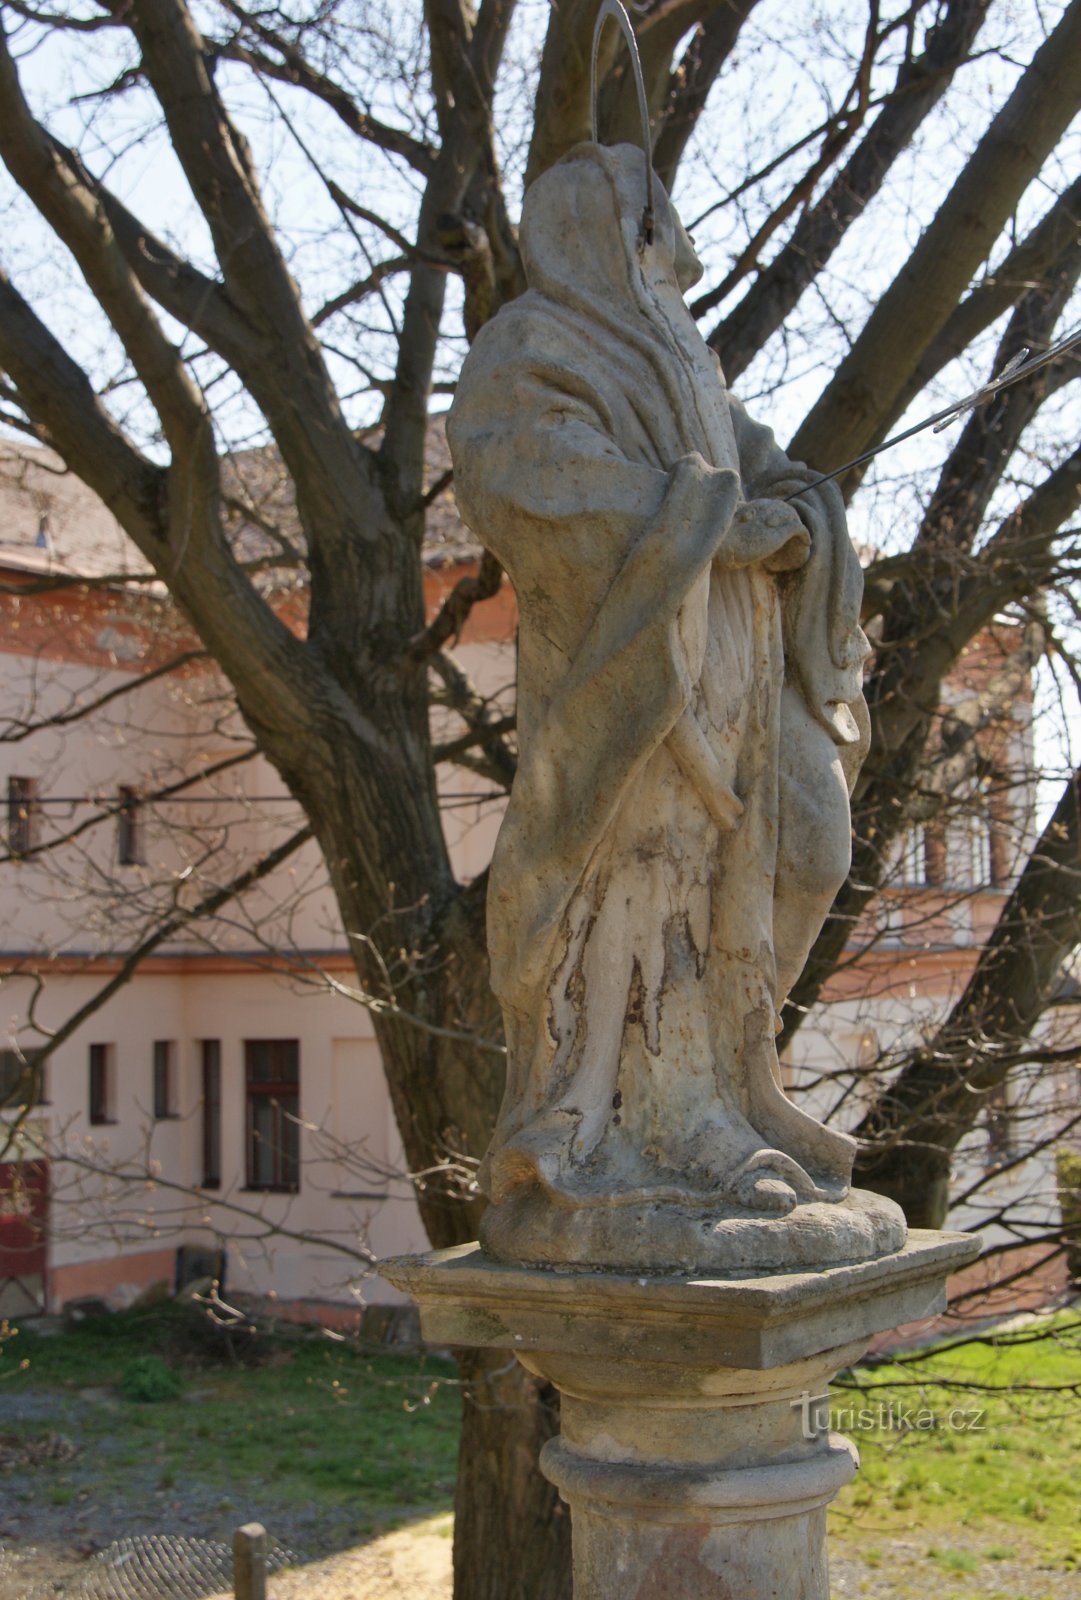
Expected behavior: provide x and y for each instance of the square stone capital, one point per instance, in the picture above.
(752, 1323)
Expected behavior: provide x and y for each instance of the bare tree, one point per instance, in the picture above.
(907, 193)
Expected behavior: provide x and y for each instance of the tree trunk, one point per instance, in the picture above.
(512, 1533)
(514, 1544)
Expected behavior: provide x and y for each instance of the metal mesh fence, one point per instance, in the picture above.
(157, 1566)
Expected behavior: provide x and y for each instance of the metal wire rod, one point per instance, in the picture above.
(1013, 372)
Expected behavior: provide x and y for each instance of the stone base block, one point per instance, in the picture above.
(743, 1320)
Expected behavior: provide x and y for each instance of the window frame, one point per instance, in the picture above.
(163, 1080)
(24, 815)
(283, 1093)
(129, 829)
(15, 1069)
(100, 1106)
(210, 1133)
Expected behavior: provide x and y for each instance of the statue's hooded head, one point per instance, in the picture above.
(585, 250)
(583, 234)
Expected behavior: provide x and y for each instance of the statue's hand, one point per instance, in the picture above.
(769, 532)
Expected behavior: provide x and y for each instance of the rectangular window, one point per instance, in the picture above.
(272, 1110)
(101, 1083)
(164, 1096)
(211, 1114)
(913, 858)
(934, 851)
(129, 830)
(979, 852)
(1000, 805)
(21, 1088)
(23, 815)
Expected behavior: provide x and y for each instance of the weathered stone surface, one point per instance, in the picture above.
(859, 1227)
(694, 1448)
(752, 1322)
(741, 1534)
(690, 719)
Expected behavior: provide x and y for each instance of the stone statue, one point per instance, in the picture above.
(690, 722)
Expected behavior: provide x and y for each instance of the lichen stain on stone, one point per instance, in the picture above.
(638, 1010)
(678, 1569)
(575, 987)
(700, 924)
(564, 1042)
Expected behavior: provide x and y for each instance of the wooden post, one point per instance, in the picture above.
(249, 1562)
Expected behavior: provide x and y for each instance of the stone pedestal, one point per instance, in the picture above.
(695, 1452)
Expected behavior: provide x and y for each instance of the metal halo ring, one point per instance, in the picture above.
(613, 9)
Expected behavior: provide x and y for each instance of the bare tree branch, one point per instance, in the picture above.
(294, 69)
(690, 83)
(17, 728)
(864, 394)
(938, 1096)
(166, 930)
(919, 86)
(37, 166)
(464, 65)
(453, 614)
(1026, 265)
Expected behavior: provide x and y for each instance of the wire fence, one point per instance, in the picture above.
(157, 1566)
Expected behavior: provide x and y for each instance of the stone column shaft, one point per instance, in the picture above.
(697, 1483)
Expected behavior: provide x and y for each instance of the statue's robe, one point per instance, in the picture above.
(688, 722)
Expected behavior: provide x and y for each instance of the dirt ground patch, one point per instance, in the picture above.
(415, 1562)
(903, 1569)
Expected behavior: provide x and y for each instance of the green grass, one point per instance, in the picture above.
(954, 1560)
(327, 1424)
(980, 1436)
(320, 1420)
(150, 1379)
